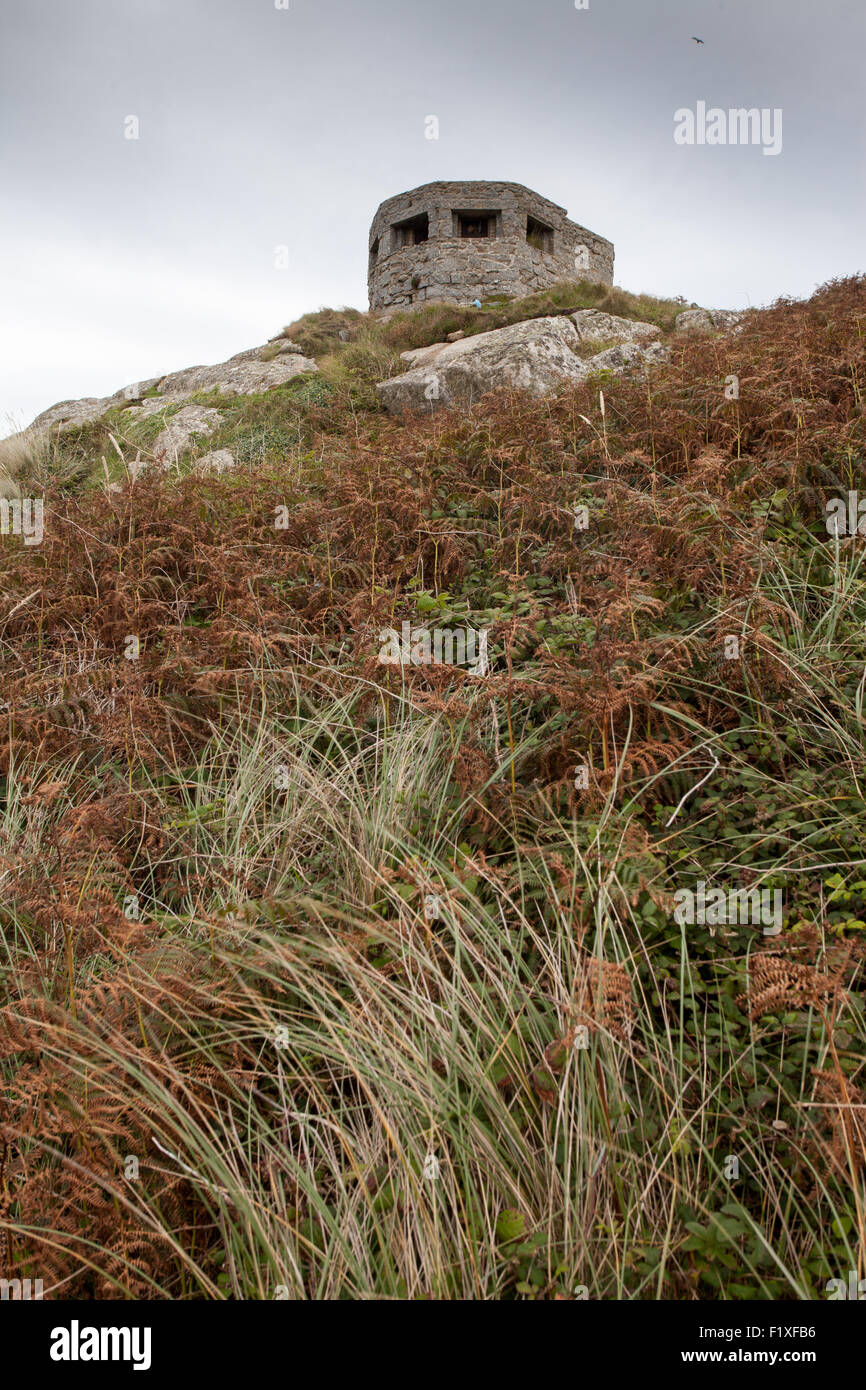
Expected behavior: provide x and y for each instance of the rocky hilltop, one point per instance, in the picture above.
(538, 353)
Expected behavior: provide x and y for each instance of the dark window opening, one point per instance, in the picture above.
(412, 231)
(474, 225)
(539, 235)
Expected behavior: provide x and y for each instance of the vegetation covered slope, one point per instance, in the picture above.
(323, 977)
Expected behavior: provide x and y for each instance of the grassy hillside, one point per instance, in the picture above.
(326, 978)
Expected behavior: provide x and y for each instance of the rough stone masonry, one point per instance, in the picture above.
(463, 241)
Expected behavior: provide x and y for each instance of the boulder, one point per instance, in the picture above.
(693, 321)
(175, 438)
(278, 345)
(67, 414)
(240, 376)
(216, 462)
(244, 374)
(419, 357)
(154, 405)
(135, 392)
(286, 345)
(698, 322)
(629, 359)
(536, 356)
(595, 325)
(725, 318)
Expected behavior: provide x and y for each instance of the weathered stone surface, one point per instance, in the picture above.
(595, 325)
(171, 442)
(154, 405)
(69, 413)
(627, 359)
(134, 392)
(701, 321)
(530, 244)
(217, 462)
(725, 318)
(420, 357)
(278, 345)
(242, 375)
(535, 356)
(693, 321)
(248, 355)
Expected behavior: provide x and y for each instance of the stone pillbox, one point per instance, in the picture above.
(463, 241)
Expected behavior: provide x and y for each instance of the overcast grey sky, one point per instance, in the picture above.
(262, 127)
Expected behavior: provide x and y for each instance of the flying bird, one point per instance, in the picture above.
(697, 40)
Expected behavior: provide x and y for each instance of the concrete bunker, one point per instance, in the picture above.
(462, 241)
